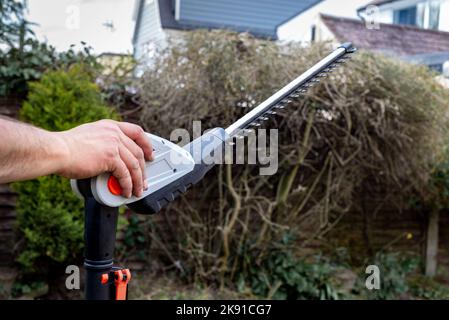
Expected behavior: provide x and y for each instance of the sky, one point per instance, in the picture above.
(65, 22)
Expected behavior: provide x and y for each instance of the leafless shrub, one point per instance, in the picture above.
(372, 130)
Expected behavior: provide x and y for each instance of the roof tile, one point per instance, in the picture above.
(389, 38)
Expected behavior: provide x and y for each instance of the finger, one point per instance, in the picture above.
(137, 152)
(136, 133)
(134, 169)
(121, 172)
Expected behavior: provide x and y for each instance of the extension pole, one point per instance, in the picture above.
(103, 281)
(99, 236)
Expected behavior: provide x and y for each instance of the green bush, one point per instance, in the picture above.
(281, 275)
(422, 287)
(134, 242)
(394, 270)
(50, 216)
(22, 57)
(31, 60)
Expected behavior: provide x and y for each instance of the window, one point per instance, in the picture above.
(420, 14)
(434, 15)
(425, 14)
(406, 16)
(313, 33)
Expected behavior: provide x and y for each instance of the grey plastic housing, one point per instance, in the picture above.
(207, 151)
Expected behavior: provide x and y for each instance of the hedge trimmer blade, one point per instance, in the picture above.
(291, 91)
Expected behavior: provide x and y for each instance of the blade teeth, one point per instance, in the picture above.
(301, 90)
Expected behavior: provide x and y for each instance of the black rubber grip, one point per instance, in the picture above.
(154, 202)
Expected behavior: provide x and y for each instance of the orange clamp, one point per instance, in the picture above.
(122, 278)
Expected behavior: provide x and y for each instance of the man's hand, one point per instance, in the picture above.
(108, 146)
(27, 152)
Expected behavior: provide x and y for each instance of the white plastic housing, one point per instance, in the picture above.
(170, 163)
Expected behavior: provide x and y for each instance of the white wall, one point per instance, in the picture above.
(299, 28)
(444, 16)
(385, 16)
(386, 12)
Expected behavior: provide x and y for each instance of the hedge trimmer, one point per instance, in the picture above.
(173, 170)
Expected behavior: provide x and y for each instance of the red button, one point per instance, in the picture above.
(114, 186)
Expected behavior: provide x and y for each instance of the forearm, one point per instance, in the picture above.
(121, 148)
(27, 152)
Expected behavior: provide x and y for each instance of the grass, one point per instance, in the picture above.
(151, 286)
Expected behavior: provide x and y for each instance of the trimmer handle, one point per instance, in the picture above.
(173, 170)
(204, 152)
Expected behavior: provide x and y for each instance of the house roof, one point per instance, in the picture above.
(389, 38)
(168, 21)
(435, 61)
